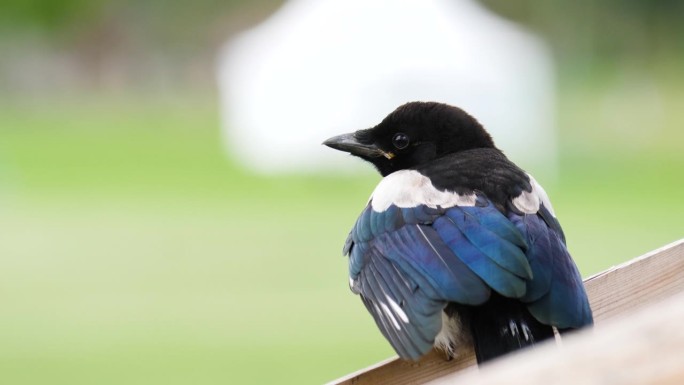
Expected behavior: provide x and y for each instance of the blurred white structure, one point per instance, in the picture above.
(318, 68)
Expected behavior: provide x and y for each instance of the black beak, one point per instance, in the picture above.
(348, 143)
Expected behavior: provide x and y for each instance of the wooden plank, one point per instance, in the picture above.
(397, 371)
(618, 290)
(646, 279)
(645, 348)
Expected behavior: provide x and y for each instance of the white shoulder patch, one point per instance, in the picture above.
(528, 202)
(409, 188)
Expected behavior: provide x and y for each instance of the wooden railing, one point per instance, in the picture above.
(644, 297)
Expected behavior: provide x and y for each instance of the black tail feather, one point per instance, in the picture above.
(500, 326)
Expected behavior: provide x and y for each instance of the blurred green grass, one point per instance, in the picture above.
(133, 251)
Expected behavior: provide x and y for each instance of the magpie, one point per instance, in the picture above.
(457, 245)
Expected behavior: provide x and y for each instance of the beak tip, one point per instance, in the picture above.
(337, 142)
(349, 143)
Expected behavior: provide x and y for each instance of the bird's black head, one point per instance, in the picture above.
(414, 134)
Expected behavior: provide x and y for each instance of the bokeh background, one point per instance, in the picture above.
(134, 250)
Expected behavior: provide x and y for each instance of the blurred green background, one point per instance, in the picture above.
(134, 251)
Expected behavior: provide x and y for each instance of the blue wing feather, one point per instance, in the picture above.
(421, 247)
(539, 254)
(477, 225)
(495, 276)
(410, 262)
(556, 295)
(405, 343)
(381, 281)
(426, 321)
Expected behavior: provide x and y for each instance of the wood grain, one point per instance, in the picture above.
(614, 292)
(645, 348)
(643, 280)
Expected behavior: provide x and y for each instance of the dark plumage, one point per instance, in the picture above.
(457, 243)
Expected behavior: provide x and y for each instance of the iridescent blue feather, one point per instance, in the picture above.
(408, 263)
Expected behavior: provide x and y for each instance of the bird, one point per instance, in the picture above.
(457, 245)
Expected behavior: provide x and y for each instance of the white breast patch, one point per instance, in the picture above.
(409, 188)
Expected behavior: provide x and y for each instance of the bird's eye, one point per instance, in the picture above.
(400, 140)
